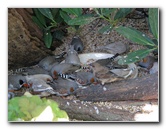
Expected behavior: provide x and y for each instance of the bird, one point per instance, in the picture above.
(147, 62)
(49, 61)
(85, 78)
(130, 72)
(44, 77)
(77, 44)
(64, 87)
(108, 61)
(106, 75)
(32, 70)
(72, 56)
(39, 82)
(81, 77)
(113, 48)
(63, 68)
(15, 82)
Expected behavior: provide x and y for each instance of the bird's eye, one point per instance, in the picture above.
(21, 82)
(78, 49)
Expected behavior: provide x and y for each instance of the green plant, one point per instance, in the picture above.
(45, 20)
(113, 16)
(53, 21)
(31, 108)
(140, 38)
(50, 20)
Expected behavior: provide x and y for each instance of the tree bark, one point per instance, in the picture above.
(25, 44)
(145, 88)
(92, 112)
(110, 111)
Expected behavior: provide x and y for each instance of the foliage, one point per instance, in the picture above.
(27, 108)
(49, 19)
(112, 15)
(140, 38)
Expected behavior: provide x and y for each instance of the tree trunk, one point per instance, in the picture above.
(25, 44)
(110, 111)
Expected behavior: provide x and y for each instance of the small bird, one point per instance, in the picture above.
(34, 70)
(72, 56)
(64, 87)
(102, 73)
(85, 78)
(106, 75)
(49, 61)
(81, 77)
(45, 77)
(113, 48)
(130, 72)
(15, 82)
(98, 68)
(108, 61)
(77, 44)
(147, 62)
(39, 82)
(63, 68)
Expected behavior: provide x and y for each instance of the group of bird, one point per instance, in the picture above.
(53, 76)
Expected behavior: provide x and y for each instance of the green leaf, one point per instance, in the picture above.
(153, 21)
(74, 11)
(134, 56)
(37, 22)
(56, 15)
(122, 12)
(47, 13)
(82, 20)
(40, 17)
(54, 11)
(107, 11)
(135, 35)
(105, 28)
(48, 39)
(65, 16)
